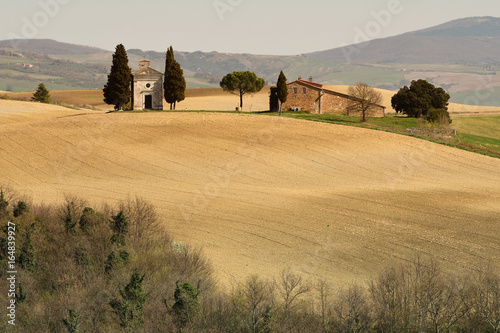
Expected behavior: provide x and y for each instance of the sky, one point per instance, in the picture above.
(270, 27)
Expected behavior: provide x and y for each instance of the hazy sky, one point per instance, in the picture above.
(234, 26)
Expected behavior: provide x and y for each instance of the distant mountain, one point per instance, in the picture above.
(48, 46)
(462, 56)
(474, 40)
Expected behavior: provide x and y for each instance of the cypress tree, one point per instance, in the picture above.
(117, 91)
(282, 89)
(175, 83)
(41, 94)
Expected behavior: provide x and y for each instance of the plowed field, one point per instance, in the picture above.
(261, 193)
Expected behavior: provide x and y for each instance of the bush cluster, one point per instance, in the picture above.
(95, 269)
(113, 269)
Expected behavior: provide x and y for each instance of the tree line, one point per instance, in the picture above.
(113, 268)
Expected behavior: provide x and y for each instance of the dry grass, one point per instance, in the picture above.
(262, 193)
(74, 98)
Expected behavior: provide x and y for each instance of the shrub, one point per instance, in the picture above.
(439, 116)
(41, 94)
(73, 322)
(88, 219)
(186, 305)
(20, 209)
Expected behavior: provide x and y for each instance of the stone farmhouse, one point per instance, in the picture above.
(312, 97)
(147, 88)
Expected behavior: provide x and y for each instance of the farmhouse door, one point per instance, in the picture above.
(148, 102)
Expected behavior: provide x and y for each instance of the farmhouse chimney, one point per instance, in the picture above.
(300, 78)
(144, 64)
(310, 79)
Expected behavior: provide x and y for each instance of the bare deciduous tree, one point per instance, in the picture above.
(255, 302)
(365, 97)
(142, 218)
(391, 300)
(351, 312)
(324, 293)
(290, 287)
(486, 298)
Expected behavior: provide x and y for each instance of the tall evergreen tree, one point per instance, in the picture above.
(130, 307)
(186, 304)
(282, 91)
(175, 84)
(117, 91)
(41, 94)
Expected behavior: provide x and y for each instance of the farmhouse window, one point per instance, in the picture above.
(294, 90)
(304, 90)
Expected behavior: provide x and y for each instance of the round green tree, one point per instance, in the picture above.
(418, 99)
(241, 83)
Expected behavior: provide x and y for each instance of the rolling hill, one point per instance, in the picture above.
(48, 46)
(473, 40)
(261, 193)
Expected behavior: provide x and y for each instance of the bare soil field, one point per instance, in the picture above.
(262, 193)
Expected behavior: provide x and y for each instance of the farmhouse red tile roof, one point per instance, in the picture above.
(320, 86)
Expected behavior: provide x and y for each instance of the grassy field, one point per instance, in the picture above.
(479, 131)
(488, 126)
(261, 193)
